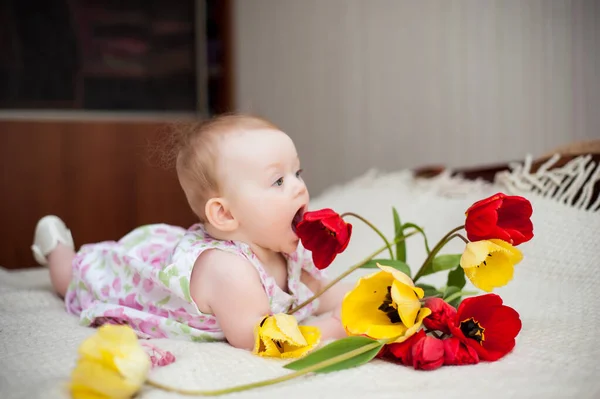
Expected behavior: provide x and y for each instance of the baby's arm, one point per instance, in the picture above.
(331, 301)
(227, 286)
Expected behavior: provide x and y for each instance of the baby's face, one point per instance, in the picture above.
(261, 181)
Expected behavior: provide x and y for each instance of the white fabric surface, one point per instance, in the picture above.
(553, 289)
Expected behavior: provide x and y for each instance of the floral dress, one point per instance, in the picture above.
(144, 280)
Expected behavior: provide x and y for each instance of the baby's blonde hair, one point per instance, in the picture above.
(197, 151)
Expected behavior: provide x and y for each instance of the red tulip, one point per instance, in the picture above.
(325, 234)
(428, 353)
(457, 353)
(441, 315)
(402, 351)
(502, 217)
(486, 325)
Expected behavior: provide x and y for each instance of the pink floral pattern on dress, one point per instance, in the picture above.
(143, 280)
(158, 357)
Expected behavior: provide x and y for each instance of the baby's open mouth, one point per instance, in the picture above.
(298, 217)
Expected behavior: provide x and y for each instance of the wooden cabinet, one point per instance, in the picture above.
(65, 62)
(102, 177)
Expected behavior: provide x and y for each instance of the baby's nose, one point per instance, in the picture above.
(300, 188)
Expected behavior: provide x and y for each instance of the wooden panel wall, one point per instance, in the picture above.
(99, 177)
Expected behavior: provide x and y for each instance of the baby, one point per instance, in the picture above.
(216, 280)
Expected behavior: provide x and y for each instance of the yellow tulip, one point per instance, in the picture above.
(384, 305)
(111, 364)
(280, 336)
(490, 263)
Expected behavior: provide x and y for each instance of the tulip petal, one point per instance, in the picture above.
(501, 325)
(495, 274)
(325, 254)
(360, 314)
(81, 392)
(478, 307)
(423, 313)
(494, 202)
(271, 330)
(500, 217)
(407, 301)
(90, 376)
(288, 325)
(397, 274)
(514, 254)
(280, 336)
(490, 263)
(500, 333)
(310, 233)
(312, 337)
(325, 234)
(111, 363)
(317, 215)
(258, 343)
(341, 229)
(403, 350)
(475, 253)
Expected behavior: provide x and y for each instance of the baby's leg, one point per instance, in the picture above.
(59, 263)
(53, 246)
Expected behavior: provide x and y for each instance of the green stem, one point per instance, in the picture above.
(435, 250)
(244, 387)
(347, 272)
(372, 226)
(405, 225)
(459, 236)
(459, 294)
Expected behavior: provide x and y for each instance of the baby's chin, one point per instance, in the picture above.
(289, 247)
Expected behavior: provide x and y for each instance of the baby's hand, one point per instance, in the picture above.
(330, 326)
(331, 300)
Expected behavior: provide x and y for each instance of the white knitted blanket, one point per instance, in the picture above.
(553, 289)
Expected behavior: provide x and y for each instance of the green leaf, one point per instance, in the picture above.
(454, 302)
(396, 264)
(338, 348)
(454, 298)
(429, 290)
(450, 291)
(456, 278)
(452, 295)
(420, 230)
(445, 262)
(441, 263)
(399, 233)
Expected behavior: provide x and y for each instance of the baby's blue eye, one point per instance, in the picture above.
(279, 182)
(299, 172)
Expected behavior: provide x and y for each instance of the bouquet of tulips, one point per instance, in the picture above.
(389, 314)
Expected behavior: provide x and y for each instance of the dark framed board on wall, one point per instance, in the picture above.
(112, 55)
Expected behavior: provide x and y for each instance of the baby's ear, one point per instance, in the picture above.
(219, 216)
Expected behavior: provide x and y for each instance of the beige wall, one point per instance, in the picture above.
(399, 83)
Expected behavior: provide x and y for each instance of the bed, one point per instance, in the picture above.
(555, 290)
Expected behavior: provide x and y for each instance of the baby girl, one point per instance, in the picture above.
(216, 280)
